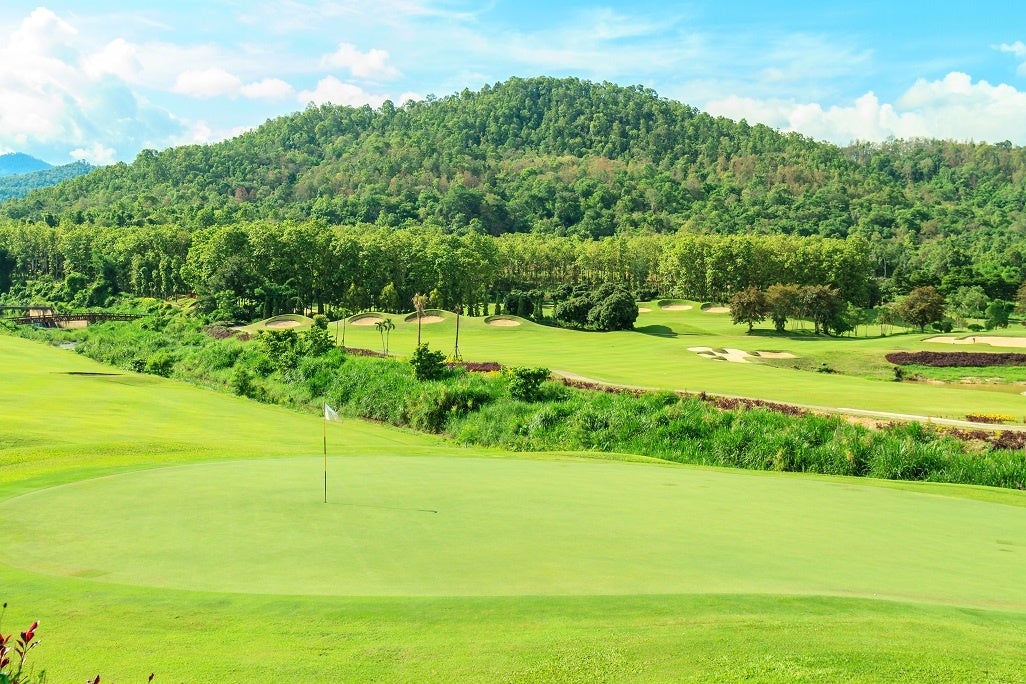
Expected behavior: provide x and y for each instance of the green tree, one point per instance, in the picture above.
(784, 303)
(921, 307)
(317, 340)
(998, 312)
(615, 311)
(750, 306)
(388, 300)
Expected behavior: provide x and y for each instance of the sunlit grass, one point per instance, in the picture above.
(921, 582)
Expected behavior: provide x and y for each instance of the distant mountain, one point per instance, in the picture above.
(564, 157)
(21, 184)
(16, 162)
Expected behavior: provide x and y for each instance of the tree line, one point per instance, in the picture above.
(263, 268)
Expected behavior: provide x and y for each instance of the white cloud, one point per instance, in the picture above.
(330, 89)
(953, 108)
(95, 154)
(268, 89)
(60, 93)
(118, 58)
(406, 97)
(372, 64)
(1018, 48)
(210, 82)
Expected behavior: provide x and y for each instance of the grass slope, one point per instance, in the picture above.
(736, 558)
(656, 354)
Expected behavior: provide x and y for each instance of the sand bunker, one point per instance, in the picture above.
(503, 322)
(737, 355)
(428, 319)
(774, 355)
(281, 325)
(993, 341)
(677, 307)
(642, 309)
(366, 320)
(717, 309)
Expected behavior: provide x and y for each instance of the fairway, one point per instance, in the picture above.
(446, 526)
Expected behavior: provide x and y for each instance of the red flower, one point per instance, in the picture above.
(27, 636)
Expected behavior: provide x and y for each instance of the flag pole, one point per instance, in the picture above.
(324, 435)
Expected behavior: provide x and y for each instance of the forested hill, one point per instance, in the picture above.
(558, 156)
(21, 184)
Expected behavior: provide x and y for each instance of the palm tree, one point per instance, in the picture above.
(344, 314)
(384, 326)
(419, 303)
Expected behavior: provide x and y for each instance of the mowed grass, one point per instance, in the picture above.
(153, 526)
(656, 355)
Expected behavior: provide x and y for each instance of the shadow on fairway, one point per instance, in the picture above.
(657, 330)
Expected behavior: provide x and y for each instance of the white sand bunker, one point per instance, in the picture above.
(734, 355)
(993, 341)
(677, 307)
(281, 325)
(642, 309)
(503, 322)
(737, 355)
(774, 355)
(366, 320)
(427, 319)
(717, 309)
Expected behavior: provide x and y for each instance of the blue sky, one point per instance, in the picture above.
(102, 80)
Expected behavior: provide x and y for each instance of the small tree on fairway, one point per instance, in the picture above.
(921, 307)
(783, 304)
(615, 311)
(750, 306)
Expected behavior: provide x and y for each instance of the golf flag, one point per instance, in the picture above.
(329, 414)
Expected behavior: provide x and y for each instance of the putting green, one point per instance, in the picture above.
(444, 526)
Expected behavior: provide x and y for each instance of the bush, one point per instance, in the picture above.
(161, 363)
(525, 383)
(427, 364)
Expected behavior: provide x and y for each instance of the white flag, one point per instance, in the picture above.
(330, 413)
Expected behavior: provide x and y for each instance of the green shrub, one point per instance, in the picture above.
(525, 383)
(427, 364)
(161, 363)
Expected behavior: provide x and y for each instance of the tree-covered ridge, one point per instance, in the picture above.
(21, 184)
(553, 155)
